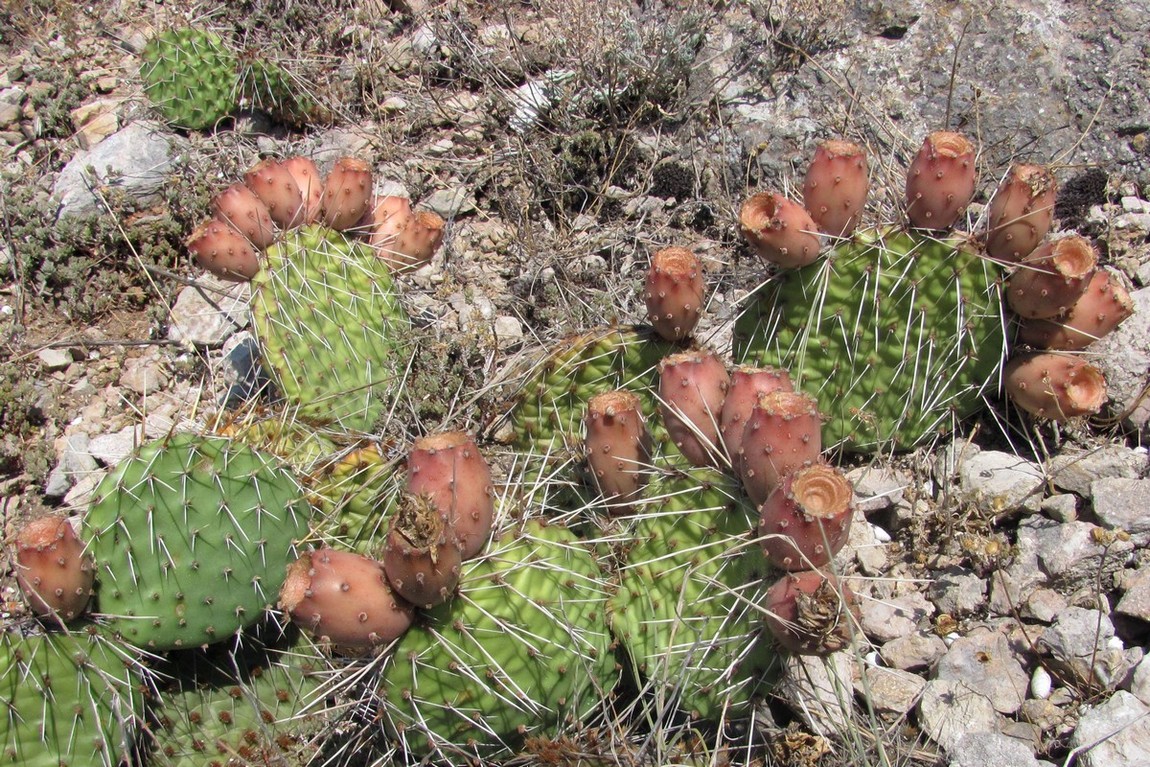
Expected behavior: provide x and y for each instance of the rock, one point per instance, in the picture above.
(1077, 554)
(54, 360)
(949, 709)
(980, 749)
(1076, 470)
(1000, 483)
(1078, 646)
(886, 619)
(984, 662)
(80, 496)
(1123, 356)
(913, 652)
(1044, 605)
(1061, 508)
(110, 449)
(819, 690)
(889, 690)
(74, 462)
(958, 593)
(877, 489)
(97, 129)
(1122, 504)
(1012, 586)
(9, 114)
(208, 312)
(1114, 733)
(450, 203)
(135, 160)
(144, 375)
(241, 369)
(1046, 715)
(1140, 681)
(1135, 603)
(508, 332)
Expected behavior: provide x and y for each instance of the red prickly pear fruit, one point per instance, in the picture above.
(1021, 212)
(674, 293)
(385, 219)
(1052, 278)
(781, 231)
(805, 521)
(836, 186)
(419, 240)
(345, 599)
(223, 251)
(52, 569)
(274, 184)
(618, 447)
(1053, 386)
(346, 194)
(783, 434)
(692, 387)
(449, 470)
(422, 557)
(747, 383)
(1102, 307)
(310, 183)
(239, 206)
(940, 183)
(811, 613)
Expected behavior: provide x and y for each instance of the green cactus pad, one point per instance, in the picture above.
(355, 494)
(68, 699)
(686, 611)
(522, 650)
(191, 538)
(190, 76)
(266, 85)
(330, 324)
(896, 333)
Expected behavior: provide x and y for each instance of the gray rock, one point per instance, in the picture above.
(144, 375)
(508, 332)
(1135, 603)
(80, 496)
(1122, 504)
(819, 690)
(1061, 508)
(980, 749)
(1075, 471)
(207, 313)
(135, 160)
(890, 690)
(450, 203)
(1000, 482)
(54, 360)
(110, 449)
(1044, 605)
(1080, 645)
(958, 593)
(74, 461)
(1115, 733)
(985, 663)
(1123, 356)
(913, 652)
(1140, 681)
(949, 709)
(1073, 554)
(1012, 586)
(886, 619)
(877, 489)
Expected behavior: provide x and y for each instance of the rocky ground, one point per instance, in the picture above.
(1004, 570)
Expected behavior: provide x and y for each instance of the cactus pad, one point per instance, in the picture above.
(328, 319)
(190, 75)
(522, 650)
(896, 333)
(191, 537)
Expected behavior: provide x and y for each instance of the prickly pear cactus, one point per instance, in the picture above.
(190, 76)
(191, 537)
(522, 650)
(685, 610)
(266, 85)
(897, 333)
(68, 699)
(329, 323)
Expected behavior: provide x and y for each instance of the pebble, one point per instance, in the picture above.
(958, 593)
(886, 619)
(207, 313)
(1135, 603)
(1044, 605)
(1040, 683)
(144, 375)
(1078, 645)
(949, 709)
(450, 203)
(913, 652)
(74, 462)
(508, 332)
(877, 489)
(984, 662)
(1000, 483)
(1114, 733)
(110, 449)
(80, 496)
(1062, 507)
(54, 360)
(890, 690)
(979, 749)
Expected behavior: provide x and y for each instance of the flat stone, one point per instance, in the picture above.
(1074, 555)
(958, 593)
(1140, 681)
(144, 375)
(913, 652)
(985, 663)
(1061, 508)
(1135, 603)
(1044, 605)
(886, 619)
(508, 331)
(1122, 504)
(949, 709)
(80, 496)
(9, 114)
(819, 690)
(1114, 733)
(207, 313)
(74, 462)
(890, 690)
(1000, 483)
(450, 203)
(1076, 470)
(877, 489)
(97, 129)
(110, 449)
(54, 360)
(981, 749)
(1080, 645)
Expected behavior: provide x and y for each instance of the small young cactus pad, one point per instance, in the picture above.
(190, 76)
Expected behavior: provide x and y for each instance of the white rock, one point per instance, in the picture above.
(1000, 482)
(1115, 733)
(949, 709)
(1040, 683)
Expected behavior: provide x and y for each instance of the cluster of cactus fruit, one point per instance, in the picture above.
(670, 524)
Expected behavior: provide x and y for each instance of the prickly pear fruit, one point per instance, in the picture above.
(449, 470)
(223, 251)
(692, 387)
(781, 231)
(1054, 386)
(747, 383)
(276, 186)
(237, 205)
(1049, 280)
(345, 599)
(940, 183)
(836, 186)
(805, 520)
(618, 446)
(403, 238)
(422, 557)
(1021, 212)
(310, 183)
(783, 434)
(1102, 307)
(674, 293)
(52, 570)
(346, 194)
(811, 613)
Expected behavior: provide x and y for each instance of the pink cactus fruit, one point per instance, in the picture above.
(1054, 386)
(811, 613)
(52, 570)
(940, 183)
(805, 521)
(692, 387)
(618, 447)
(747, 383)
(1103, 306)
(674, 293)
(276, 186)
(836, 186)
(781, 231)
(1021, 212)
(403, 238)
(422, 557)
(246, 213)
(223, 251)
(344, 598)
(1052, 278)
(346, 194)
(448, 469)
(783, 434)
(310, 183)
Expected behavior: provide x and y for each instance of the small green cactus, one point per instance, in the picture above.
(190, 76)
